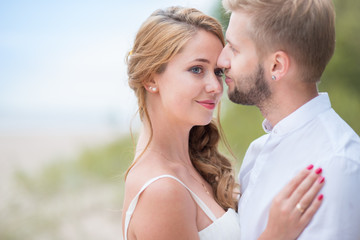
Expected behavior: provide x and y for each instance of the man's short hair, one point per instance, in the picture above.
(304, 29)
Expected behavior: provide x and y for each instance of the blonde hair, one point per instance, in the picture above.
(305, 29)
(160, 38)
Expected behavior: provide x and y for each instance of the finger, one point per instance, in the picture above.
(311, 210)
(304, 186)
(310, 195)
(294, 183)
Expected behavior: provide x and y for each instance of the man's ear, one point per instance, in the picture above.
(280, 63)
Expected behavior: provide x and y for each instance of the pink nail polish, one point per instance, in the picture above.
(321, 179)
(320, 197)
(310, 167)
(318, 171)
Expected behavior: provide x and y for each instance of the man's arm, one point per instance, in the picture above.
(339, 214)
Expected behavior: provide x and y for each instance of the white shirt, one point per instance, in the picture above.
(313, 134)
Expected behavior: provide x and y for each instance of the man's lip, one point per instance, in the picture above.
(228, 80)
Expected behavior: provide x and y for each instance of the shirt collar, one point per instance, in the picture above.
(299, 117)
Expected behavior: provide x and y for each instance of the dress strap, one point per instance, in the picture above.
(133, 203)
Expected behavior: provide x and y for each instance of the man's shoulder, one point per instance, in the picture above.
(338, 132)
(338, 139)
(333, 120)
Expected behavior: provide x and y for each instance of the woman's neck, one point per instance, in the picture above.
(172, 142)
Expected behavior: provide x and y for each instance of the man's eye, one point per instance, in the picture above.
(231, 48)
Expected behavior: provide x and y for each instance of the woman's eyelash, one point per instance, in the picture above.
(199, 70)
(196, 70)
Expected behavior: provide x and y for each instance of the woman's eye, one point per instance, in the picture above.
(196, 70)
(219, 72)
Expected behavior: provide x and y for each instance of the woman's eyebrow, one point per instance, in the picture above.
(201, 60)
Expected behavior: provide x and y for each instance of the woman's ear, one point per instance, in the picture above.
(151, 86)
(280, 62)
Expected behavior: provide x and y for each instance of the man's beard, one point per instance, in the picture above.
(259, 92)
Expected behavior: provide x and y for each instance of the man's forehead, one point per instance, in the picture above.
(239, 26)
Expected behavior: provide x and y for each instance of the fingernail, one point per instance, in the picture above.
(310, 167)
(318, 171)
(320, 197)
(321, 179)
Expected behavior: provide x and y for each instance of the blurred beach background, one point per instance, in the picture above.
(66, 110)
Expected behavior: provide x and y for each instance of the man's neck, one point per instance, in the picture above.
(284, 103)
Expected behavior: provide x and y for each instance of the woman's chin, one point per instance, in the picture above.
(205, 122)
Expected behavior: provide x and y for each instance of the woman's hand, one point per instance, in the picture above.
(293, 208)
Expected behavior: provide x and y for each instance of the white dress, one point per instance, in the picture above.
(226, 227)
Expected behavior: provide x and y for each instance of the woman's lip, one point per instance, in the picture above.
(209, 104)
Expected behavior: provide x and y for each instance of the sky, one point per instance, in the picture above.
(62, 62)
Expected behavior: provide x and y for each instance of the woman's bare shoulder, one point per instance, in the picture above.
(165, 202)
(146, 168)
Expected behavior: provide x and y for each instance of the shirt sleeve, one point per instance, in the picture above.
(339, 213)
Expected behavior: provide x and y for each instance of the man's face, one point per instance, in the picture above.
(243, 69)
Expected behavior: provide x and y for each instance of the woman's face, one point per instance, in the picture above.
(191, 85)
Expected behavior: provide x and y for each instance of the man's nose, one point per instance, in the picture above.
(223, 60)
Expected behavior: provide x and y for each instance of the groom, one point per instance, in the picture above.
(275, 55)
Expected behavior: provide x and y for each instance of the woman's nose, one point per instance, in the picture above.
(214, 84)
